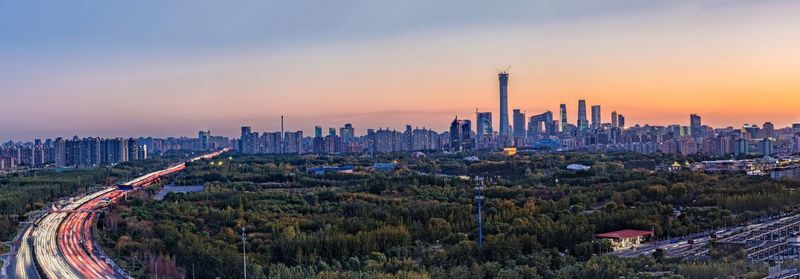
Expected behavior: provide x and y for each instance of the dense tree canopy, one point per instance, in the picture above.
(419, 221)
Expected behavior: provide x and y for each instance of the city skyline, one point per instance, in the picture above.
(355, 130)
(400, 139)
(733, 62)
(574, 115)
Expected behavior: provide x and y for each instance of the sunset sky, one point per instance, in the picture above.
(171, 68)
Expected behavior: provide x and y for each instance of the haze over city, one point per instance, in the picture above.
(161, 69)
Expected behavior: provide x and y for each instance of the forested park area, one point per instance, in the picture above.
(419, 221)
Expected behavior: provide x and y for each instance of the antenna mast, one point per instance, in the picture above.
(244, 252)
(479, 199)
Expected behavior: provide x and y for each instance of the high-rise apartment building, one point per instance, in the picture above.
(424, 139)
(317, 131)
(293, 142)
(60, 153)
(318, 141)
(695, 126)
(385, 140)
(407, 138)
(133, 150)
(767, 147)
(333, 144)
(742, 147)
(753, 130)
(768, 130)
(347, 133)
(243, 138)
(796, 144)
(203, 137)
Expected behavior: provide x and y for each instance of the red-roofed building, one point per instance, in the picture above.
(625, 238)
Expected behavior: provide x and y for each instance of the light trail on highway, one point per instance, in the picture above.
(23, 266)
(63, 244)
(75, 235)
(50, 258)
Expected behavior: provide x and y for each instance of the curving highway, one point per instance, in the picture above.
(61, 244)
(21, 264)
(75, 239)
(51, 260)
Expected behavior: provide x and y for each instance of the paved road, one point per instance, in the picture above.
(21, 259)
(76, 240)
(50, 257)
(62, 242)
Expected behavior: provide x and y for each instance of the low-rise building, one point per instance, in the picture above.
(327, 169)
(785, 172)
(384, 167)
(625, 239)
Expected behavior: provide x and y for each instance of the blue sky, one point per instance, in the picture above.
(54, 26)
(75, 67)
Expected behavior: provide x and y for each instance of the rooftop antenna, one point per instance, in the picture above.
(502, 71)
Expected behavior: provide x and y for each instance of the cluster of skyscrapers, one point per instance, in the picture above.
(541, 131)
(696, 138)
